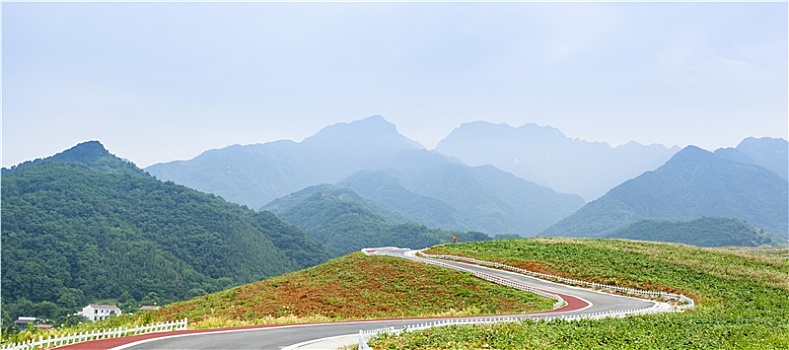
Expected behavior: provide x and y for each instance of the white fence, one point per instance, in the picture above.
(684, 301)
(498, 280)
(69, 339)
(365, 336)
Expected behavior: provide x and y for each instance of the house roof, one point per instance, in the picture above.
(26, 319)
(148, 307)
(104, 307)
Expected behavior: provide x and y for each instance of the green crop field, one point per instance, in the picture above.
(741, 294)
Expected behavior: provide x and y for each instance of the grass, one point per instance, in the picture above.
(742, 297)
(353, 287)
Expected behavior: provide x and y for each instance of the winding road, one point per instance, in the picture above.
(581, 302)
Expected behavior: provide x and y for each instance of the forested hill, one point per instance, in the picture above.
(91, 154)
(703, 232)
(80, 226)
(345, 222)
(693, 184)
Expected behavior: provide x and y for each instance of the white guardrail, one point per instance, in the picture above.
(365, 336)
(69, 339)
(684, 302)
(498, 280)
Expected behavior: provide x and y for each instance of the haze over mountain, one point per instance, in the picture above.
(382, 188)
(370, 155)
(769, 153)
(345, 222)
(703, 232)
(544, 155)
(692, 184)
(85, 225)
(254, 175)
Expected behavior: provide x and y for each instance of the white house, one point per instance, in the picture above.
(23, 321)
(100, 312)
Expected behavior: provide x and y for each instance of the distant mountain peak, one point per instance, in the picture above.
(375, 118)
(547, 129)
(768, 152)
(372, 122)
(753, 140)
(478, 124)
(373, 131)
(692, 151)
(496, 130)
(545, 155)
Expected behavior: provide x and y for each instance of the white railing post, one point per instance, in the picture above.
(680, 298)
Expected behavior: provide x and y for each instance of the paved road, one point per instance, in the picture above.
(587, 302)
(600, 302)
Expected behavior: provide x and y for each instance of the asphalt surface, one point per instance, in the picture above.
(580, 302)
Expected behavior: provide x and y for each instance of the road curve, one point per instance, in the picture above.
(579, 302)
(598, 301)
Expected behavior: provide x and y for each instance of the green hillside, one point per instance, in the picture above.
(703, 232)
(344, 222)
(693, 184)
(741, 294)
(354, 286)
(382, 188)
(84, 225)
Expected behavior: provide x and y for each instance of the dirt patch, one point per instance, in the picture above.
(534, 266)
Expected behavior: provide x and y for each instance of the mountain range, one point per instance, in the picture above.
(254, 175)
(544, 155)
(372, 158)
(694, 183)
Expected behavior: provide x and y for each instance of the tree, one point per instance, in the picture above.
(151, 298)
(71, 298)
(46, 309)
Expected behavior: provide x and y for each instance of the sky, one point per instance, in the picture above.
(157, 82)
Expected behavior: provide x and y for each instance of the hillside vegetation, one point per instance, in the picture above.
(354, 286)
(742, 297)
(693, 184)
(703, 232)
(84, 225)
(344, 222)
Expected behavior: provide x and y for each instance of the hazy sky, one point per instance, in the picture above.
(157, 82)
